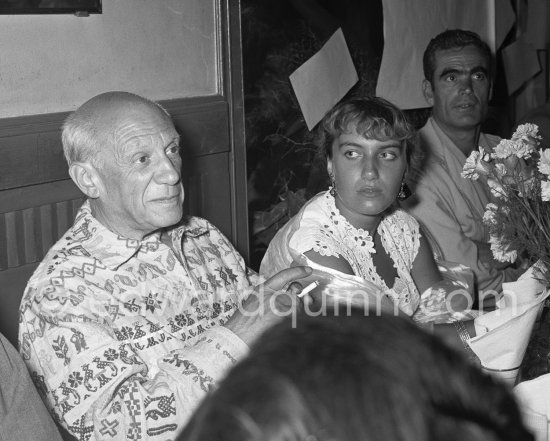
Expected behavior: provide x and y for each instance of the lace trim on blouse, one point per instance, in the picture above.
(332, 235)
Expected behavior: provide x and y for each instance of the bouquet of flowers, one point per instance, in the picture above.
(518, 218)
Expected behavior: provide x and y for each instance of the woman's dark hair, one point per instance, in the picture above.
(371, 117)
(355, 377)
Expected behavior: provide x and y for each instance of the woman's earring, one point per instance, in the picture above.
(332, 188)
(404, 192)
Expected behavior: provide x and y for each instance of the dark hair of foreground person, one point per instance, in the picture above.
(355, 378)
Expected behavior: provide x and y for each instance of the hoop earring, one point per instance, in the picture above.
(332, 188)
(404, 192)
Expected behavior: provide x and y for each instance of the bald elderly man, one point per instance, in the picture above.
(138, 310)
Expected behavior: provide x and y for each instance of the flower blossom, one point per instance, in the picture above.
(544, 162)
(490, 215)
(497, 190)
(501, 250)
(545, 190)
(517, 148)
(526, 187)
(500, 170)
(528, 133)
(476, 164)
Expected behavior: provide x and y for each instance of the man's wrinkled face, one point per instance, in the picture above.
(461, 88)
(141, 174)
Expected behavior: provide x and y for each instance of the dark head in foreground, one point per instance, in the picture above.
(355, 378)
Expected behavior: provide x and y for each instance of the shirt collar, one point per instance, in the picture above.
(109, 248)
(113, 250)
(438, 150)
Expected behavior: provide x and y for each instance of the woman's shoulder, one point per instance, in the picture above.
(313, 224)
(317, 202)
(307, 217)
(298, 235)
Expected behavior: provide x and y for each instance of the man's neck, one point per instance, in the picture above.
(467, 140)
(114, 224)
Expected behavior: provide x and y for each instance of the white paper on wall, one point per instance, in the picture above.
(324, 79)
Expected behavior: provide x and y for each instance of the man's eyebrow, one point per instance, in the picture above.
(481, 69)
(452, 70)
(448, 71)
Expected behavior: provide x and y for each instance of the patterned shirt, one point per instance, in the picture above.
(124, 337)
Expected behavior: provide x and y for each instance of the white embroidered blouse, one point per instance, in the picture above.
(320, 227)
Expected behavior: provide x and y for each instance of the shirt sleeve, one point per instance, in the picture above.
(23, 416)
(314, 232)
(308, 230)
(139, 381)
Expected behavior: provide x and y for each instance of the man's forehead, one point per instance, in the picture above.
(138, 118)
(127, 131)
(467, 57)
(140, 132)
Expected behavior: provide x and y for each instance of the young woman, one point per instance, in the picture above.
(356, 227)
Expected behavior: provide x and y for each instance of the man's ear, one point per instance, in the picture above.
(428, 92)
(86, 178)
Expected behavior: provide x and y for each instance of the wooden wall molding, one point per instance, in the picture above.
(32, 152)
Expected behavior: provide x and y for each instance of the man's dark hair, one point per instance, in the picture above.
(451, 39)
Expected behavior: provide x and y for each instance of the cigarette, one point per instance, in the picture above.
(309, 288)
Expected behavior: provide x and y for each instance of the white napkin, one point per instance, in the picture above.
(509, 327)
(524, 290)
(534, 401)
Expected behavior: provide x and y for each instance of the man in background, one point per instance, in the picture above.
(458, 84)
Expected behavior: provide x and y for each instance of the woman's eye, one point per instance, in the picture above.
(388, 155)
(351, 154)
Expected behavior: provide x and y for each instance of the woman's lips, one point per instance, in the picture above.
(370, 191)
